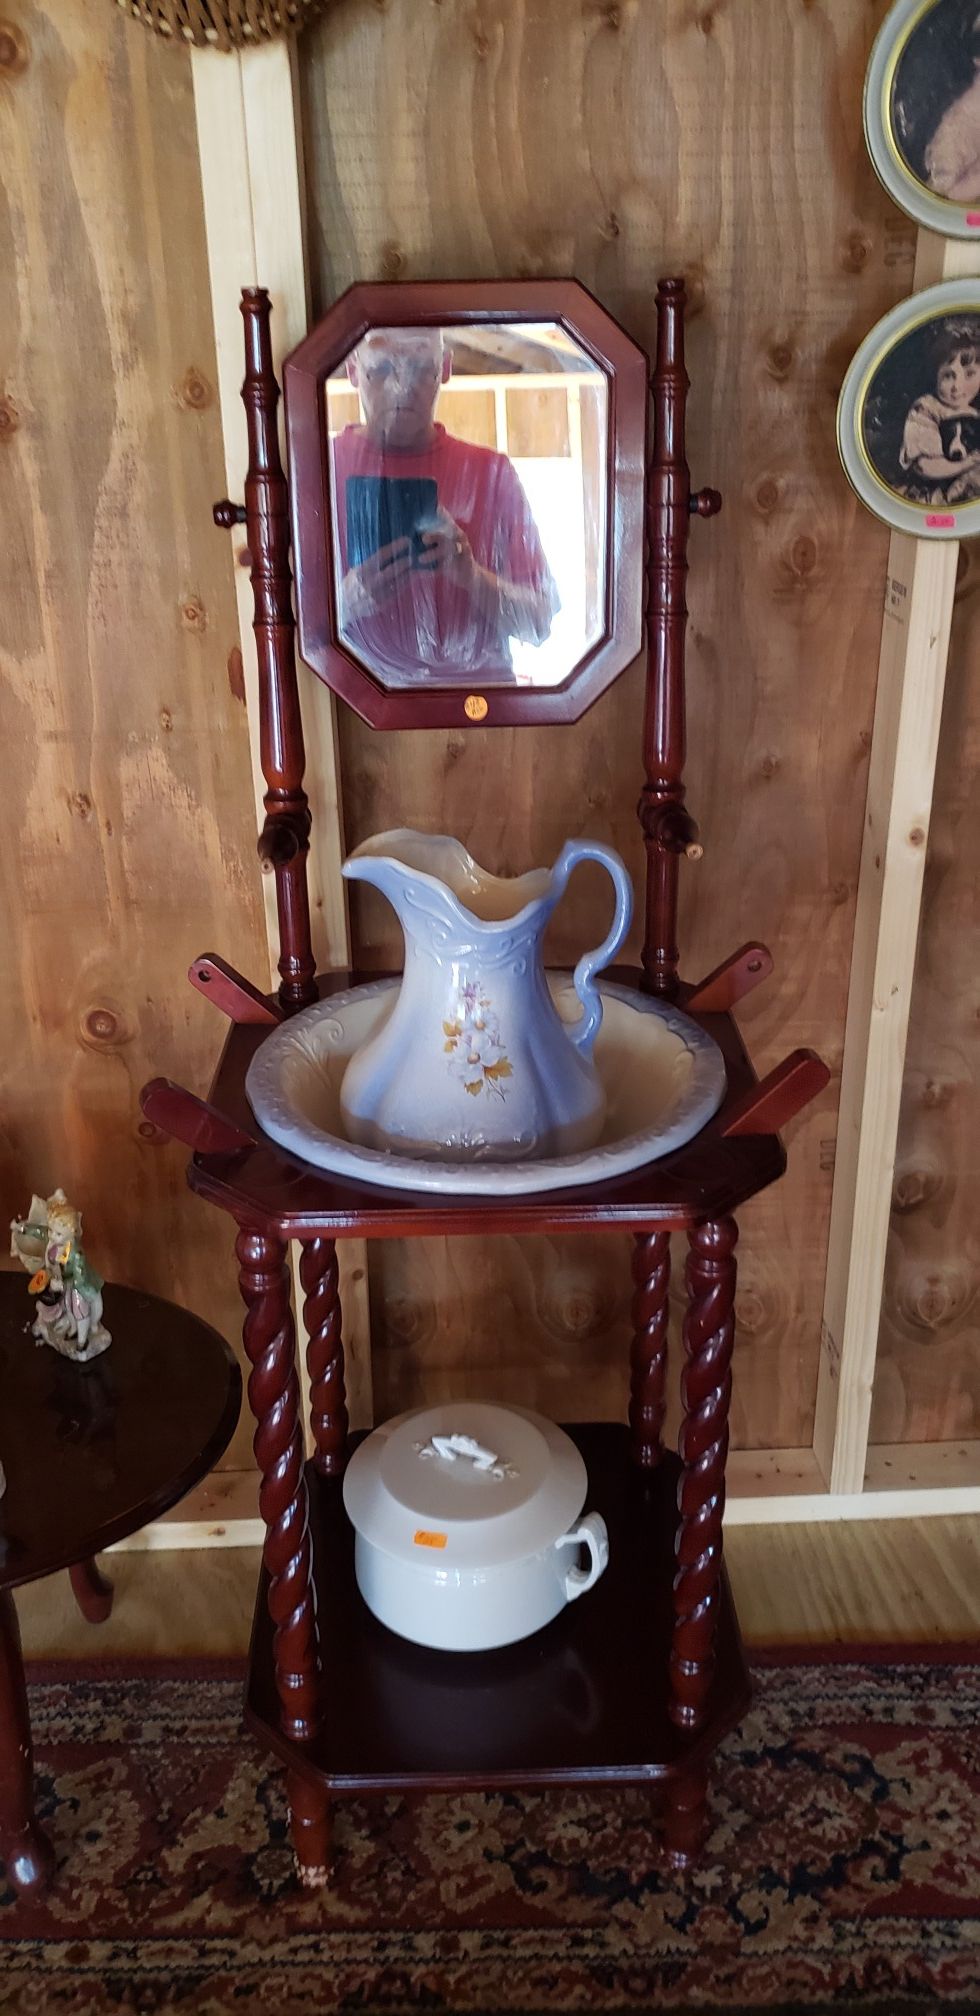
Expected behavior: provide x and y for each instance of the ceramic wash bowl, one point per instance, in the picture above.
(663, 1078)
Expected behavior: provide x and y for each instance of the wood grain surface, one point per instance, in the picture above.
(927, 1379)
(127, 830)
(616, 143)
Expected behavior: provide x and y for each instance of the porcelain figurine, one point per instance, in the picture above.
(474, 1061)
(68, 1312)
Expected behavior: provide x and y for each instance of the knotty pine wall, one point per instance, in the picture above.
(127, 813)
(449, 137)
(927, 1386)
(616, 142)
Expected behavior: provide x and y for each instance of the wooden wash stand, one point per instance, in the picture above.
(638, 1684)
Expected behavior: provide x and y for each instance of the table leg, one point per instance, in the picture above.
(309, 1810)
(273, 1392)
(92, 1591)
(24, 1848)
(648, 1357)
(319, 1275)
(686, 1817)
(706, 1388)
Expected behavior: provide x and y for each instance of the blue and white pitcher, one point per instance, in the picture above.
(474, 1061)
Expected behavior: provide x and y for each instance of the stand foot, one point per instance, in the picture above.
(273, 1392)
(309, 1815)
(92, 1591)
(687, 1818)
(706, 1390)
(24, 1846)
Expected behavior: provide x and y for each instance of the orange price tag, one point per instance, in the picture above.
(475, 707)
(430, 1539)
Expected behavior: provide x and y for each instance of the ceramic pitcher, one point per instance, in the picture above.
(474, 1061)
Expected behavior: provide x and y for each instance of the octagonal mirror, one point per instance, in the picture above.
(467, 470)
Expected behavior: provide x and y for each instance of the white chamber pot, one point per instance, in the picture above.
(469, 1526)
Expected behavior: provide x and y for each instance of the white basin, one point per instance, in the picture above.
(663, 1078)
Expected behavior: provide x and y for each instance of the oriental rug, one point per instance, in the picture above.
(842, 1868)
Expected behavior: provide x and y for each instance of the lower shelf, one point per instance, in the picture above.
(584, 1700)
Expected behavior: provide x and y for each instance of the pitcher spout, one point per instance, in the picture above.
(384, 872)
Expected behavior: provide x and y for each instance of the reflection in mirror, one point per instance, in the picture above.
(469, 470)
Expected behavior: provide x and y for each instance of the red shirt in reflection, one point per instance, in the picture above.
(430, 626)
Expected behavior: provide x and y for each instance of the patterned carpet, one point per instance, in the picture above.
(842, 1869)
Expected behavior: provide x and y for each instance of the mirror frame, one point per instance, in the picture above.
(427, 303)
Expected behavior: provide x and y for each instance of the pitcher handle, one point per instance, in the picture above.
(584, 1032)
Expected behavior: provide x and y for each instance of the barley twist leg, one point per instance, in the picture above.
(273, 1392)
(319, 1274)
(648, 1357)
(706, 1386)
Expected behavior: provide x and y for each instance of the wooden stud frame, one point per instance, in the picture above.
(248, 139)
(247, 106)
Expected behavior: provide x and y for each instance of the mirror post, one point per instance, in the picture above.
(284, 840)
(668, 829)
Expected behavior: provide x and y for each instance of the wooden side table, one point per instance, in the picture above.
(92, 1453)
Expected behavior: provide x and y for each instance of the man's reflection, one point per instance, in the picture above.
(441, 565)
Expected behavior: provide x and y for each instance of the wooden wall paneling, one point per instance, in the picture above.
(470, 414)
(614, 144)
(250, 149)
(915, 638)
(927, 1375)
(127, 842)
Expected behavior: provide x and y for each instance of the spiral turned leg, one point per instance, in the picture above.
(273, 1392)
(706, 1387)
(648, 1357)
(319, 1274)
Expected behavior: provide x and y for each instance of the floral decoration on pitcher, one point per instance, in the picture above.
(473, 1044)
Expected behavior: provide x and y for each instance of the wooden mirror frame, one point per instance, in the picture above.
(426, 304)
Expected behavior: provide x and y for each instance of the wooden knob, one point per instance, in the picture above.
(705, 503)
(226, 514)
(277, 845)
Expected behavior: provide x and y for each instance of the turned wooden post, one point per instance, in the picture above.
(92, 1591)
(24, 1846)
(668, 829)
(648, 1358)
(706, 1391)
(284, 841)
(319, 1274)
(686, 1816)
(310, 1826)
(273, 1392)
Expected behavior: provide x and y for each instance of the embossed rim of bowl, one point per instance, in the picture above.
(700, 1099)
